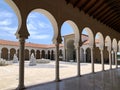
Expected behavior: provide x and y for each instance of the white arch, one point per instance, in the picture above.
(119, 45)
(114, 44)
(90, 36)
(76, 31)
(17, 11)
(108, 42)
(100, 42)
(52, 20)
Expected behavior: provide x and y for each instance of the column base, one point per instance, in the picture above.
(20, 88)
(93, 72)
(57, 80)
(103, 70)
(78, 75)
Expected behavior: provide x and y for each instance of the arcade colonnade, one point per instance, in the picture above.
(7, 51)
(58, 12)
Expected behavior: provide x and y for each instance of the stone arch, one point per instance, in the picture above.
(107, 49)
(37, 54)
(90, 36)
(81, 54)
(48, 54)
(114, 51)
(114, 44)
(43, 54)
(70, 50)
(119, 45)
(108, 43)
(4, 54)
(60, 52)
(17, 11)
(52, 55)
(99, 40)
(76, 31)
(88, 55)
(52, 20)
(12, 52)
(17, 52)
(32, 51)
(27, 55)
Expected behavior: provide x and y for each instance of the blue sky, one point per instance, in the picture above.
(39, 26)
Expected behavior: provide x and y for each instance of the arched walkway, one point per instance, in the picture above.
(4, 53)
(37, 54)
(12, 52)
(27, 55)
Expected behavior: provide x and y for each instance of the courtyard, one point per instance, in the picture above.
(42, 73)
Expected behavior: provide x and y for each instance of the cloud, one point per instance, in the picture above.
(33, 32)
(8, 30)
(40, 36)
(32, 16)
(5, 22)
(30, 26)
(44, 25)
(6, 14)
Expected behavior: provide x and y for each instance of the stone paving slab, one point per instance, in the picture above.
(41, 73)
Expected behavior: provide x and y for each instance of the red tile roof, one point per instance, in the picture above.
(15, 43)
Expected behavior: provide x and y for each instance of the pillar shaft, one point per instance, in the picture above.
(8, 54)
(116, 59)
(21, 63)
(0, 54)
(102, 60)
(78, 60)
(84, 55)
(57, 62)
(112, 57)
(81, 55)
(92, 61)
(110, 62)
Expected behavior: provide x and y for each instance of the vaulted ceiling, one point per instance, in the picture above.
(106, 11)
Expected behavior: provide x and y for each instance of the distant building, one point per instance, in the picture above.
(66, 50)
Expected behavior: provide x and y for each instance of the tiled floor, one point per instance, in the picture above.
(107, 80)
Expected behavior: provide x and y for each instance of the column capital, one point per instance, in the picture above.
(57, 41)
(21, 35)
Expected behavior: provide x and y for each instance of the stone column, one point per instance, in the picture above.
(40, 55)
(112, 57)
(92, 61)
(29, 55)
(110, 62)
(35, 54)
(8, 54)
(57, 62)
(0, 53)
(66, 54)
(21, 63)
(77, 47)
(50, 55)
(102, 60)
(84, 55)
(81, 56)
(116, 58)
